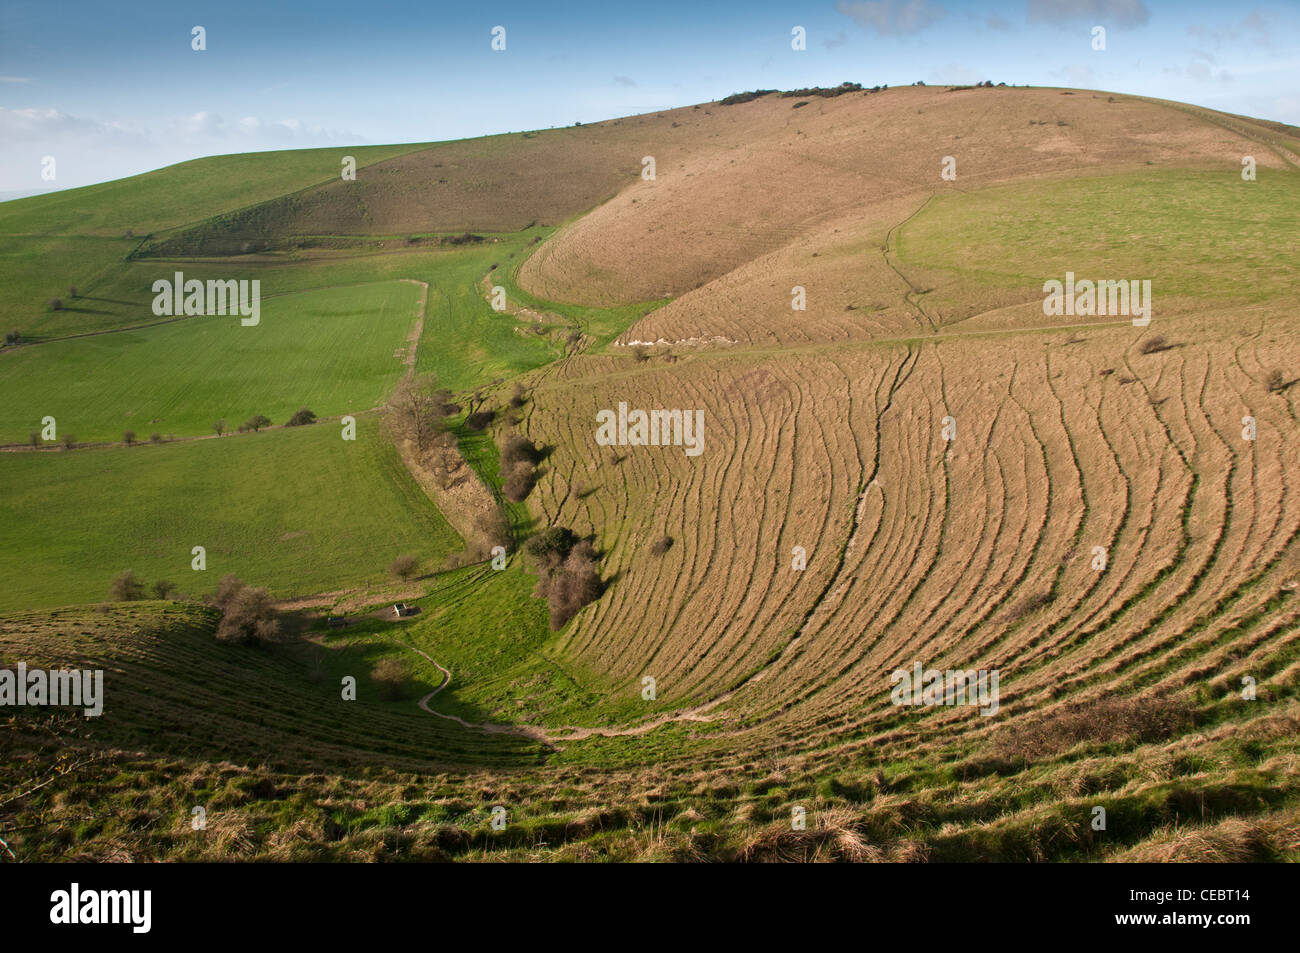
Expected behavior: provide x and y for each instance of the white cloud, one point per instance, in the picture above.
(89, 150)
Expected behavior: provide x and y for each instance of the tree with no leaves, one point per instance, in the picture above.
(417, 409)
(404, 567)
(247, 615)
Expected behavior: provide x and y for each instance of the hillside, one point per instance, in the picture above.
(1113, 527)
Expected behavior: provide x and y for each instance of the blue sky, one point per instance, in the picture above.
(111, 89)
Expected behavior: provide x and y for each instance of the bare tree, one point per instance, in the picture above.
(404, 567)
(416, 411)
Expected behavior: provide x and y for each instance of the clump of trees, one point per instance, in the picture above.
(128, 587)
(302, 416)
(255, 423)
(248, 615)
(568, 573)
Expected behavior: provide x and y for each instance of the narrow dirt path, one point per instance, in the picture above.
(552, 736)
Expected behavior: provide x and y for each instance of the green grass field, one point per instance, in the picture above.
(298, 511)
(336, 351)
(1166, 226)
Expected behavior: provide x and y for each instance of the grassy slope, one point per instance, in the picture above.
(183, 193)
(299, 511)
(79, 237)
(336, 351)
(1174, 224)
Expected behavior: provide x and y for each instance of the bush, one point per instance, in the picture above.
(155, 438)
(553, 546)
(519, 449)
(13, 337)
(519, 397)
(128, 437)
(1105, 720)
(1276, 382)
(258, 421)
(56, 304)
(570, 586)
(34, 438)
(301, 418)
(519, 482)
(247, 615)
(404, 567)
(479, 420)
(126, 588)
(219, 427)
(661, 545)
(1154, 344)
(69, 441)
(162, 589)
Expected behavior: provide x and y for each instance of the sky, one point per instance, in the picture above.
(114, 89)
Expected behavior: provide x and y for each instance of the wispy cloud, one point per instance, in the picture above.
(624, 81)
(1119, 12)
(892, 16)
(15, 79)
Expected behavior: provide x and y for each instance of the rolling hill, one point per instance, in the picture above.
(921, 466)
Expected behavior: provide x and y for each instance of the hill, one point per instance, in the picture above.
(922, 467)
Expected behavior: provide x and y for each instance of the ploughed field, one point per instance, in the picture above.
(921, 466)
